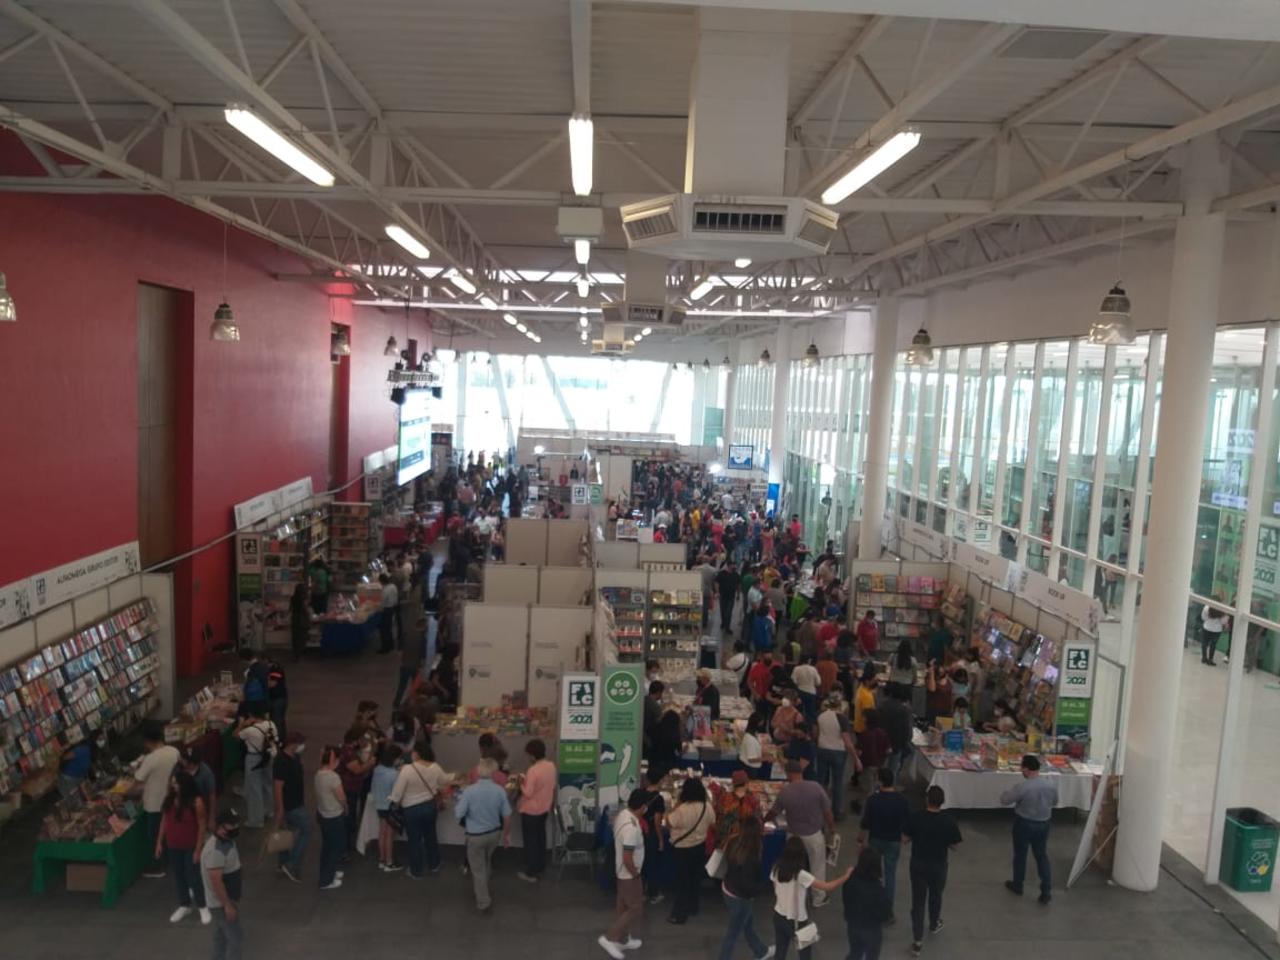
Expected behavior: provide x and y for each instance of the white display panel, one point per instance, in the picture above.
(414, 453)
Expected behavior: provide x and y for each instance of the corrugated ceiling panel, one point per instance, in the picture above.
(641, 59)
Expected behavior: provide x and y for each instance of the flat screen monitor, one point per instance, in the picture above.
(741, 456)
(414, 456)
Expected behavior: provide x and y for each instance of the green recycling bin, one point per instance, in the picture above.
(1248, 850)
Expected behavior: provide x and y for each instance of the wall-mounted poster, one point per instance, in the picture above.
(741, 456)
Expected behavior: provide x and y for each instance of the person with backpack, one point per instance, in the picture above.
(261, 739)
(254, 691)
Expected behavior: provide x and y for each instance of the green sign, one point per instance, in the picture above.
(577, 756)
(597, 494)
(712, 425)
(1073, 716)
(621, 732)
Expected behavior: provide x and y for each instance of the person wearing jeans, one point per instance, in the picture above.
(884, 820)
(537, 793)
(417, 785)
(809, 820)
(835, 746)
(290, 805)
(1033, 801)
(260, 737)
(932, 834)
(182, 832)
(331, 812)
(742, 883)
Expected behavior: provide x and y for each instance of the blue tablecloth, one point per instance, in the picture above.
(774, 841)
(337, 636)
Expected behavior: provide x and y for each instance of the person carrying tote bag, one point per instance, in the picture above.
(689, 820)
(790, 916)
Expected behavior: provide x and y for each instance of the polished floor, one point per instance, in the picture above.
(379, 915)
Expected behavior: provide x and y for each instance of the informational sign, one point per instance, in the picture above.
(250, 609)
(70, 580)
(988, 566)
(258, 509)
(712, 425)
(772, 494)
(373, 487)
(621, 732)
(741, 456)
(1266, 560)
(413, 457)
(1079, 660)
(1072, 718)
(295, 492)
(936, 545)
(579, 495)
(1062, 601)
(15, 602)
(579, 706)
(597, 494)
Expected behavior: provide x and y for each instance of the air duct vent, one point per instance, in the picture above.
(642, 314)
(728, 218)
(614, 342)
(687, 227)
(1047, 43)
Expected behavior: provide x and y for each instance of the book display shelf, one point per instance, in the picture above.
(955, 610)
(350, 544)
(105, 675)
(625, 609)
(903, 604)
(1021, 665)
(675, 631)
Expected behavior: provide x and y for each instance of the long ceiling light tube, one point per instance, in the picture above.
(275, 143)
(581, 150)
(872, 165)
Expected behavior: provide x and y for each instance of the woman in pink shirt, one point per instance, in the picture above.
(537, 793)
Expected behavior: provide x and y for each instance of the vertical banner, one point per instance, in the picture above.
(621, 733)
(1075, 688)
(579, 729)
(249, 592)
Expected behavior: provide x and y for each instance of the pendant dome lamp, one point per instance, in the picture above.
(1114, 323)
(224, 328)
(726, 363)
(920, 353)
(811, 355)
(8, 311)
(765, 358)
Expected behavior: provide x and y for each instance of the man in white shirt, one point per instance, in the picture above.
(390, 601)
(628, 843)
(261, 739)
(1212, 621)
(151, 779)
(807, 680)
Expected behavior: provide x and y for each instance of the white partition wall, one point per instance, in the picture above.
(526, 542)
(558, 637)
(564, 542)
(504, 583)
(617, 554)
(672, 554)
(495, 652)
(564, 586)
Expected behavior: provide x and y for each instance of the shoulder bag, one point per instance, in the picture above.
(807, 932)
(395, 811)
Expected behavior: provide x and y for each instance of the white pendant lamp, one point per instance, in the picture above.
(581, 148)
(8, 310)
(765, 358)
(1114, 323)
(811, 355)
(920, 353)
(392, 349)
(224, 328)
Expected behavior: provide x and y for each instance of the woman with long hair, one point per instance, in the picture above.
(741, 885)
(791, 879)
(866, 906)
(903, 669)
(417, 790)
(182, 823)
(688, 821)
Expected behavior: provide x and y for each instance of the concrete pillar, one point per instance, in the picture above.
(778, 420)
(875, 484)
(459, 440)
(1175, 492)
(730, 398)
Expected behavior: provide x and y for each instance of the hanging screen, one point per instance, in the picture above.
(414, 457)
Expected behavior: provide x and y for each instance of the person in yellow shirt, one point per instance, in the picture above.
(864, 698)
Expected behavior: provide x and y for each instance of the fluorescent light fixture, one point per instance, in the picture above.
(522, 328)
(539, 449)
(715, 468)
(871, 166)
(582, 251)
(646, 331)
(271, 140)
(407, 240)
(510, 318)
(637, 338)
(462, 282)
(581, 148)
(583, 336)
(701, 290)
(584, 286)
(489, 302)
(583, 322)
(742, 263)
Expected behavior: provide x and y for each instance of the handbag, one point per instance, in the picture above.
(807, 933)
(395, 811)
(717, 866)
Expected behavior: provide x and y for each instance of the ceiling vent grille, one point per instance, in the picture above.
(614, 341)
(642, 314)
(818, 226)
(649, 221)
(1047, 43)
(733, 218)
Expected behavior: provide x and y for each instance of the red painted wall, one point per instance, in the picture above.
(68, 384)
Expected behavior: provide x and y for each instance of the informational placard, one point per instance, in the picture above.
(1079, 660)
(296, 492)
(579, 495)
(579, 706)
(373, 487)
(597, 494)
(250, 612)
(936, 545)
(989, 566)
(413, 457)
(741, 456)
(258, 509)
(1061, 600)
(621, 733)
(15, 602)
(70, 580)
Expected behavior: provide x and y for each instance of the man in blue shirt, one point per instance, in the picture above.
(1033, 801)
(486, 812)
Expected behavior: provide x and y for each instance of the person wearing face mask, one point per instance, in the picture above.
(182, 835)
(785, 718)
(220, 871)
(291, 807)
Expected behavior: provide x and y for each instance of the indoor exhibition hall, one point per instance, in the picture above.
(624, 479)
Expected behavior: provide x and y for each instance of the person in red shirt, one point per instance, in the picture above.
(828, 630)
(760, 676)
(794, 527)
(868, 634)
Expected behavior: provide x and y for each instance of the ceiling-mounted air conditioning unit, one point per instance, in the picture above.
(614, 342)
(638, 314)
(685, 226)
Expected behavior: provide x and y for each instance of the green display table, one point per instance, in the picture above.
(125, 857)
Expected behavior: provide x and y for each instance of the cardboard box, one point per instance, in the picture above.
(86, 877)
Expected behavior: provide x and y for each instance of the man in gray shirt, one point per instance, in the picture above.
(1033, 801)
(808, 811)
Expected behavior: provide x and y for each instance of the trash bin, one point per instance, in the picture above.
(1248, 850)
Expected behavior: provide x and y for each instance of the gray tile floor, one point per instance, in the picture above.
(387, 915)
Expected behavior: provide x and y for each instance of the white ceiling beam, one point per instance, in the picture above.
(580, 39)
(18, 46)
(1249, 198)
(988, 40)
(333, 60)
(870, 32)
(519, 169)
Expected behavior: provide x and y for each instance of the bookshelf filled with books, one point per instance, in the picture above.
(625, 609)
(675, 630)
(105, 675)
(351, 544)
(903, 604)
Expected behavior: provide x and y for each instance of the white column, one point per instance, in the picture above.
(730, 398)
(879, 419)
(460, 359)
(778, 413)
(1175, 492)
